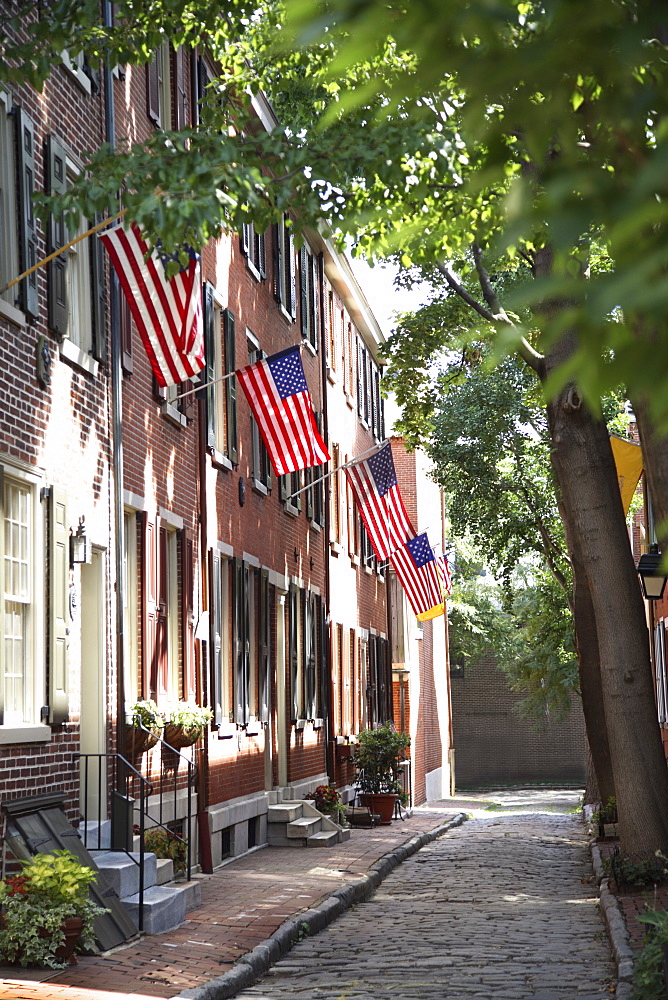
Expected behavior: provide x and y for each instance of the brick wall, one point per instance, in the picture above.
(493, 745)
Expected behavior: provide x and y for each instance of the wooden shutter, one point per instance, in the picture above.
(284, 486)
(293, 649)
(210, 367)
(25, 152)
(279, 262)
(230, 386)
(149, 608)
(57, 268)
(159, 680)
(292, 271)
(215, 634)
(261, 254)
(303, 291)
(311, 643)
(180, 62)
(2, 592)
(187, 614)
(98, 295)
(360, 379)
(308, 476)
(246, 237)
(153, 89)
(317, 266)
(264, 645)
(59, 564)
(241, 641)
(125, 323)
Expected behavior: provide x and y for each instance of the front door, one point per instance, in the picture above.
(93, 687)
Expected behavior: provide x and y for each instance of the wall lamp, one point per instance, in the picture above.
(78, 544)
(652, 576)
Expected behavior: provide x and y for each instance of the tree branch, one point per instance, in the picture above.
(463, 293)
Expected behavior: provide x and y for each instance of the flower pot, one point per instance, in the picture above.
(138, 741)
(380, 802)
(71, 929)
(178, 736)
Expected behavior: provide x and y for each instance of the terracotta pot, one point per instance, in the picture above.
(72, 930)
(380, 802)
(178, 737)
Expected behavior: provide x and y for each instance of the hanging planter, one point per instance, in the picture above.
(147, 726)
(185, 723)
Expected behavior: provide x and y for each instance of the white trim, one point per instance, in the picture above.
(253, 339)
(75, 356)
(76, 72)
(173, 414)
(251, 560)
(25, 734)
(226, 549)
(13, 314)
(277, 580)
(220, 461)
(134, 500)
(307, 344)
(259, 487)
(175, 520)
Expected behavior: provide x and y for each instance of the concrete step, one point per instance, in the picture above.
(164, 908)
(304, 827)
(96, 835)
(285, 812)
(122, 870)
(344, 835)
(324, 838)
(165, 872)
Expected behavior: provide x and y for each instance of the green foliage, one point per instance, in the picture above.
(606, 813)
(166, 844)
(378, 757)
(648, 980)
(192, 718)
(50, 889)
(148, 714)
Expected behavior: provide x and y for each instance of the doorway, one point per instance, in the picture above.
(93, 733)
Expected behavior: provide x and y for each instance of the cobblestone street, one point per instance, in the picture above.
(501, 907)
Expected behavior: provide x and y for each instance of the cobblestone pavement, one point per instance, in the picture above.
(501, 908)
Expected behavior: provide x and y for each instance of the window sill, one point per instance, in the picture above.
(173, 414)
(309, 346)
(335, 548)
(14, 315)
(290, 318)
(75, 356)
(355, 560)
(76, 73)
(315, 526)
(253, 728)
(318, 723)
(220, 461)
(369, 571)
(300, 724)
(250, 266)
(350, 401)
(290, 509)
(226, 730)
(24, 734)
(331, 376)
(259, 487)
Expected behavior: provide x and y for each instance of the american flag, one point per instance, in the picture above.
(374, 484)
(281, 403)
(167, 311)
(415, 566)
(444, 575)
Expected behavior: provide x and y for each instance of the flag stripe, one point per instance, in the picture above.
(285, 419)
(167, 312)
(385, 518)
(421, 584)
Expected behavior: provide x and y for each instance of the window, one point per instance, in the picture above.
(9, 245)
(295, 637)
(220, 640)
(284, 267)
(312, 624)
(289, 484)
(260, 455)
(331, 320)
(244, 646)
(130, 605)
(335, 496)
(158, 88)
(379, 687)
(309, 286)
(76, 285)
(160, 611)
(22, 584)
(253, 247)
(315, 493)
(221, 395)
(660, 668)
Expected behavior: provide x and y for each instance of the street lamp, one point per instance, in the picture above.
(652, 577)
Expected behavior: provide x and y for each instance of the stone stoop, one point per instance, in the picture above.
(166, 902)
(299, 824)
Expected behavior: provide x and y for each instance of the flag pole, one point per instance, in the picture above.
(346, 465)
(57, 253)
(221, 378)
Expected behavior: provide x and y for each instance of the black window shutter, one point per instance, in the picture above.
(179, 77)
(316, 285)
(279, 262)
(262, 255)
(303, 289)
(125, 322)
(310, 642)
(284, 486)
(240, 640)
(293, 625)
(215, 633)
(264, 639)
(2, 590)
(98, 294)
(360, 379)
(246, 237)
(153, 89)
(230, 386)
(25, 149)
(57, 268)
(210, 368)
(308, 476)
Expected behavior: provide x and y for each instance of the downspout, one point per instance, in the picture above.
(117, 426)
(326, 645)
(203, 686)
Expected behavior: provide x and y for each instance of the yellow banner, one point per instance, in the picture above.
(628, 461)
(434, 612)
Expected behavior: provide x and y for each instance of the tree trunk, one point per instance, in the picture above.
(587, 479)
(589, 668)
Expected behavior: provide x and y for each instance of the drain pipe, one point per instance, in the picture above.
(117, 424)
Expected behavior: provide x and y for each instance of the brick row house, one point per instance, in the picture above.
(206, 578)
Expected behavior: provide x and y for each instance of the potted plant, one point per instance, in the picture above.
(328, 801)
(46, 911)
(605, 818)
(147, 724)
(378, 757)
(184, 723)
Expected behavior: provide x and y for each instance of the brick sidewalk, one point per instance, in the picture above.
(242, 905)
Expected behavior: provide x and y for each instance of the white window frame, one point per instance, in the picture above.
(30, 729)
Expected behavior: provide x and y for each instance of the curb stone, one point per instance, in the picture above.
(616, 927)
(257, 962)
